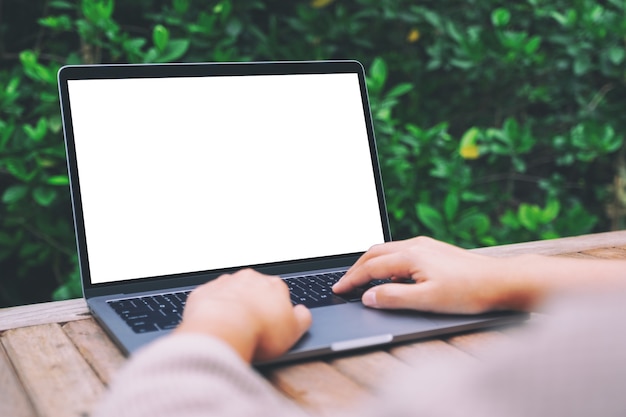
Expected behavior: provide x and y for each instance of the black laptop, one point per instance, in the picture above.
(182, 172)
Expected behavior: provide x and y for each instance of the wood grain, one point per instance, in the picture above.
(428, 351)
(559, 246)
(96, 347)
(43, 313)
(13, 399)
(481, 344)
(580, 255)
(59, 381)
(316, 386)
(606, 253)
(369, 369)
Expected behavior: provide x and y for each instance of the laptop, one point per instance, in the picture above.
(182, 172)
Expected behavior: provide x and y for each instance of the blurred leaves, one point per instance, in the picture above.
(496, 121)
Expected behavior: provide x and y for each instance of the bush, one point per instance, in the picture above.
(496, 122)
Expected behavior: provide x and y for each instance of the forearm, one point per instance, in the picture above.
(525, 282)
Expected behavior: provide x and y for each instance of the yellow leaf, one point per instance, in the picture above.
(413, 36)
(469, 151)
(318, 4)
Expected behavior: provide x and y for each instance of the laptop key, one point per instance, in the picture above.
(322, 301)
(357, 293)
(168, 324)
(142, 326)
(312, 291)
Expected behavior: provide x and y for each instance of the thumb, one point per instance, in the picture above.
(398, 296)
(303, 318)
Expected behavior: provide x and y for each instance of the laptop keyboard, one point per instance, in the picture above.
(151, 313)
(315, 290)
(164, 311)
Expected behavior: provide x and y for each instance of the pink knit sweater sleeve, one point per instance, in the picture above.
(191, 375)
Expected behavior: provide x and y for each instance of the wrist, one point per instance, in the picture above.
(516, 285)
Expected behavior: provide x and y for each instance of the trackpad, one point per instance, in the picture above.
(350, 326)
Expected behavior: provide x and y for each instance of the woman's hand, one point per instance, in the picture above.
(447, 279)
(250, 311)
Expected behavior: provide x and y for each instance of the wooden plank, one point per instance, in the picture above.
(558, 246)
(13, 399)
(607, 253)
(316, 386)
(58, 380)
(579, 255)
(369, 369)
(96, 347)
(428, 351)
(43, 313)
(481, 344)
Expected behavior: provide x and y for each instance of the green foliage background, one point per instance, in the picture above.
(496, 121)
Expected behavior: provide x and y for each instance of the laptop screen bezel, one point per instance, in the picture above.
(126, 71)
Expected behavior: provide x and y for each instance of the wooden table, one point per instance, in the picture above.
(56, 361)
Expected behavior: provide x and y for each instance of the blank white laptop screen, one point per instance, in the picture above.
(198, 173)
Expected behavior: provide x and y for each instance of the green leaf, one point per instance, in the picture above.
(34, 70)
(528, 215)
(181, 6)
(151, 55)
(400, 89)
(44, 196)
(511, 127)
(564, 19)
(378, 74)
(70, 289)
(617, 54)
(175, 49)
(551, 211)
(14, 193)
(470, 136)
(454, 33)
(60, 23)
(451, 205)
(39, 131)
(28, 58)
(468, 148)
(55, 124)
(582, 64)
(474, 197)
(532, 45)
(97, 10)
(510, 219)
(58, 180)
(59, 4)
(160, 37)
(234, 28)
(19, 170)
(6, 131)
(461, 63)
(134, 45)
(550, 234)
(500, 17)
(431, 218)
(480, 223)
(12, 86)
